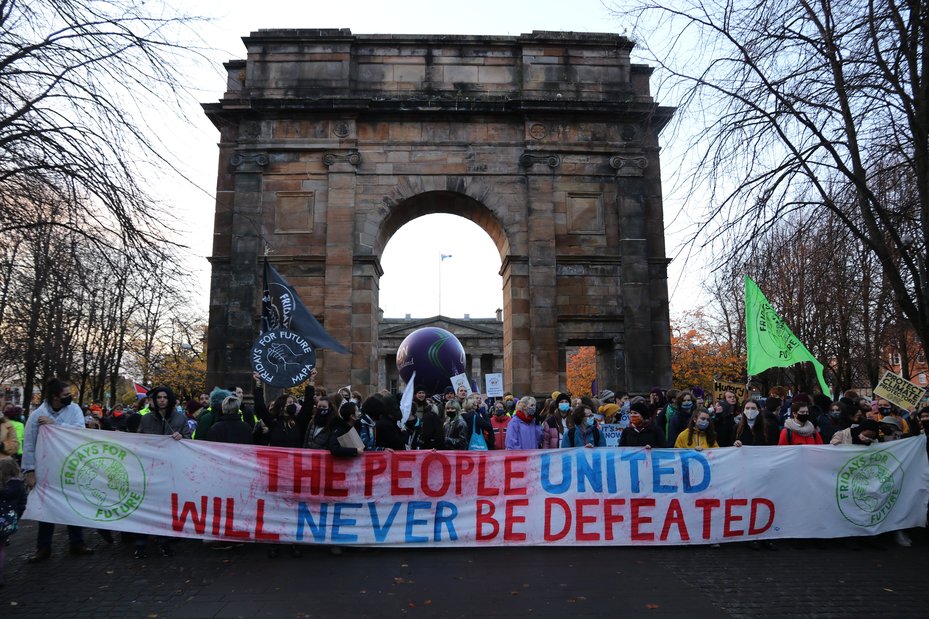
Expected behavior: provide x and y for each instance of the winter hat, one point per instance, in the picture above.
(606, 396)
(892, 421)
(216, 398)
(561, 397)
(449, 390)
(640, 408)
(374, 408)
(698, 392)
(608, 410)
(868, 424)
(419, 388)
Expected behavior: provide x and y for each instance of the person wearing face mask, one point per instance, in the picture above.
(456, 429)
(823, 418)
(679, 415)
(317, 430)
(285, 424)
(641, 431)
(552, 425)
(699, 433)
(865, 433)
(57, 409)
(474, 417)
(524, 430)
(499, 422)
(798, 428)
(754, 428)
(585, 432)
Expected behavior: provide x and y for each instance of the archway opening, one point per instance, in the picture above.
(442, 254)
(440, 264)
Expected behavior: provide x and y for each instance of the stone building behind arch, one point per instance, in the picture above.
(330, 142)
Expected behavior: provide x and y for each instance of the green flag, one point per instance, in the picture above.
(770, 342)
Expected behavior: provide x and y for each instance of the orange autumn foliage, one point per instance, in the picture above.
(582, 370)
(696, 361)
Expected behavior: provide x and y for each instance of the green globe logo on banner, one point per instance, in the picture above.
(868, 486)
(103, 481)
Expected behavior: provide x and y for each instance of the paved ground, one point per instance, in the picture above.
(799, 580)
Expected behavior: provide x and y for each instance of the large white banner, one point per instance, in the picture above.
(612, 496)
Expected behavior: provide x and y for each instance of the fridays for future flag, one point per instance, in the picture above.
(770, 342)
(281, 308)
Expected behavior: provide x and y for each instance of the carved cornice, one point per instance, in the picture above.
(529, 159)
(353, 158)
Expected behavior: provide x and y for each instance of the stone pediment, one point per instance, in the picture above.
(460, 327)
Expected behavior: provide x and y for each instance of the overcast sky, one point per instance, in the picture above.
(470, 280)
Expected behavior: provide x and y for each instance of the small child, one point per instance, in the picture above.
(12, 504)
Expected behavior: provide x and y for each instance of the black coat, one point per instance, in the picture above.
(387, 435)
(230, 429)
(338, 428)
(756, 435)
(431, 433)
(649, 435)
(280, 434)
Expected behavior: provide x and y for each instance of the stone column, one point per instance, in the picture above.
(234, 293)
(637, 312)
(340, 228)
(516, 338)
(543, 311)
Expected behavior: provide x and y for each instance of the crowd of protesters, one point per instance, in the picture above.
(451, 420)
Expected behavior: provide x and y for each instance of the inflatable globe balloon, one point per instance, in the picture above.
(434, 354)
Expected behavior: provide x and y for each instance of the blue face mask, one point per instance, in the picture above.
(687, 405)
(589, 421)
(564, 406)
(530, 411)
(703, 424)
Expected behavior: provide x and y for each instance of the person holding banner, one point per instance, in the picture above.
(57, 409)
(340, 425)
(499, 421)
(456, 430)
(699, 434)
(585, 432)
(798, 429)
(642, 431)
(524, 431)
(474, 418)
(755, 428)
(286, 426)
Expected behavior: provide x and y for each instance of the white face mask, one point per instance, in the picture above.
(751, 413)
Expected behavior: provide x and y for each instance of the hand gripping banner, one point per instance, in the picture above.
(606, 496)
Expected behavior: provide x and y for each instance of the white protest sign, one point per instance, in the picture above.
(494, 385)
(611, 433)
(461, 380)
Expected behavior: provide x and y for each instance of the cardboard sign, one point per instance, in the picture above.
(494, 385)
(899, 391)
(351, 439)
(720, 387)
(461, 380)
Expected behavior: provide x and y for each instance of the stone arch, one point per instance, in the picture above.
(429, 202)
(331, 141)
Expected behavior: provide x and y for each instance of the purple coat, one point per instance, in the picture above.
(522, 435)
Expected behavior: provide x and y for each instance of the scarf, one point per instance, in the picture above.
(522, 415)
(803, 430)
